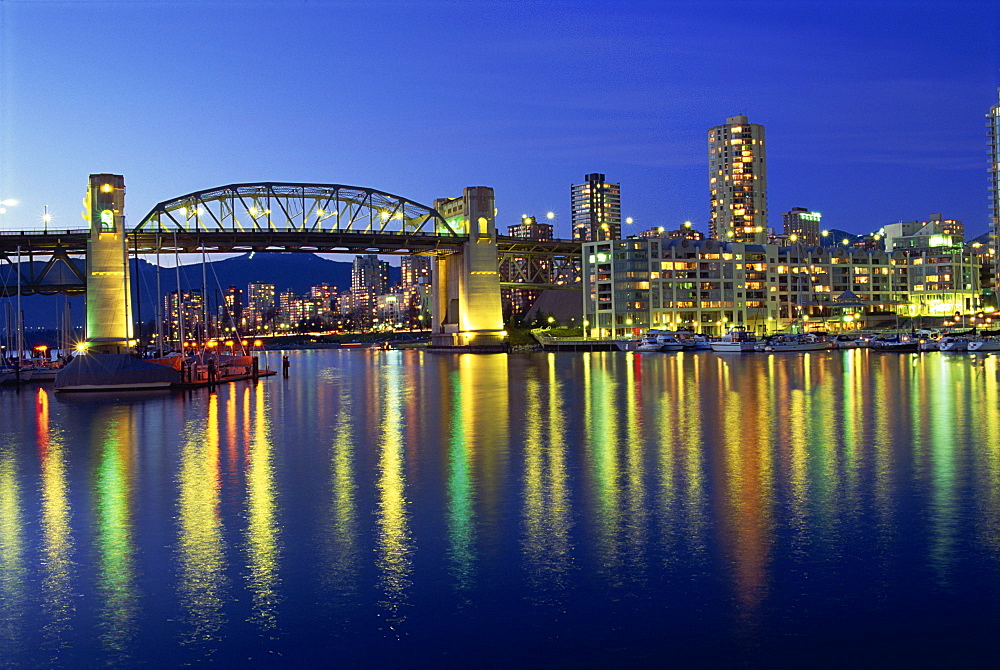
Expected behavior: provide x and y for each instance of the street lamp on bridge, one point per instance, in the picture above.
(4, 204)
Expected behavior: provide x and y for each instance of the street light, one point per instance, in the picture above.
(4, 204)
(46, 217)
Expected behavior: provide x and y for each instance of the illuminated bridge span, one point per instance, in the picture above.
(471, 263)
(295, 217)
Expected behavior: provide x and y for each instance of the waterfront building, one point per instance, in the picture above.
(737, 181)
(597, 210)
(993, 124)
(707, 286)
(937, 232)
(802, 226)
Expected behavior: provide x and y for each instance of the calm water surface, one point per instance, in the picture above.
(400, 508)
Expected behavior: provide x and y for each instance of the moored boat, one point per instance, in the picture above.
(114, 372)
(984, 344)
(952, 344)
(694, 342)
(901, 344)
(791, 343)
(627, 345)
(648, 344)
(735, 341)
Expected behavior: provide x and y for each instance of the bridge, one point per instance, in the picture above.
(471, 261)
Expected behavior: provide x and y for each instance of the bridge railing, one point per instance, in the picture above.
(47, 233)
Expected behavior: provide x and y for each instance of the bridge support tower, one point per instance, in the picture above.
(109, 310)
(467, 311)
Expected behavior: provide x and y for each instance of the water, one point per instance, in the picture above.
(399, 508)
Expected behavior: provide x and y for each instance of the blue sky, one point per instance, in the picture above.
(875, 111)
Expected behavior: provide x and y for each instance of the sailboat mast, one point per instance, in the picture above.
(159, 298)
(19, 317)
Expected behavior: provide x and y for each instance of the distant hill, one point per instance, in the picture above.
(287, 271)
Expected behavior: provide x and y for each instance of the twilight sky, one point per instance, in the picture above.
(874, 111)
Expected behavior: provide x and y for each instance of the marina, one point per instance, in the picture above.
(349, 513)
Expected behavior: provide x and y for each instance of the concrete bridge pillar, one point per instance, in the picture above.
(109, 309)
(467, 308)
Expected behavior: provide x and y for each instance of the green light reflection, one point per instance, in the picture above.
(119, 611)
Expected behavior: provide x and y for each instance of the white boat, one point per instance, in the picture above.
(668, 342)
(950, 343)
(984, 344)
(735, 341)
(627, 345)
(847, 342)
(696, 343)
(792, 343)
(649, 343)
(928, 344)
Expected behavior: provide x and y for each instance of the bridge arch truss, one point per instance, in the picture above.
(295, 217)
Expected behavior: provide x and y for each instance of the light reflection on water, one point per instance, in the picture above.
(588, 508)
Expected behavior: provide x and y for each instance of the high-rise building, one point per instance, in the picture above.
(260, 310)
(530, 229)
(802, 226)
(737, 181)
(184, 313)
(994, 131)
(597, 209)
(231, 314)
(369, 274)
(323, 296)
(413, 269)
(686, 231)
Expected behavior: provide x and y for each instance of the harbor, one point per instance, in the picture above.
(375, 497)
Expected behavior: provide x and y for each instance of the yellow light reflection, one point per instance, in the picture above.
(57, 543)
(119, 610)
(12, 554)
(201, 548)
(547, 547)
(747, 477)
(341, 538)
(601, 445)
(262, 527)
(394, 546)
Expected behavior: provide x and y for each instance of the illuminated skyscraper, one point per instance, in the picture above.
(737, 181)
(994, 131)
(413, 269)
(597, 209)
(260, 311)
(803, 225)
(370, 275)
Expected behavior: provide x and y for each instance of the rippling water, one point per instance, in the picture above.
(834, 509)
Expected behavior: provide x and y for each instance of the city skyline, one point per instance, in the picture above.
(875, 113)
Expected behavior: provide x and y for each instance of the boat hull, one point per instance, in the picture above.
(793, 347)
(984, 345)
(733, 347)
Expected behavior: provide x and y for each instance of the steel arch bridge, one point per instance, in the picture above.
(284, 216)
(280, 216)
